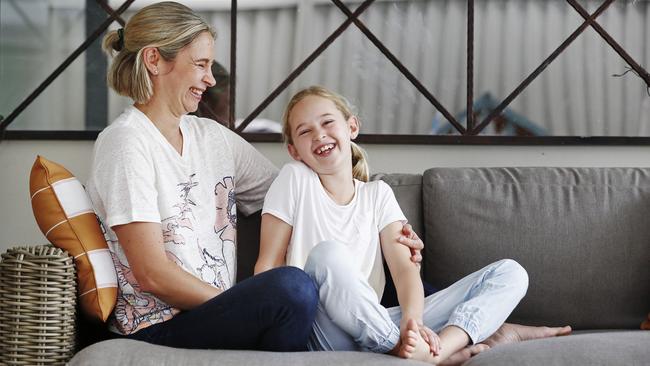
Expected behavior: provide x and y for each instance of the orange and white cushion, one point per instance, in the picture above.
(65, 215)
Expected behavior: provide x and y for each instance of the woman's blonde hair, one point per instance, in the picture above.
(360, 168)
(167, 26)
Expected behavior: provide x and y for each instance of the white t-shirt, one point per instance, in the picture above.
(137, 176)
(298, 198)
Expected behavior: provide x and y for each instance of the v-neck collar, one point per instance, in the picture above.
(161, 138)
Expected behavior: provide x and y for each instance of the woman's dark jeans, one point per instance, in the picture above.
(272, 311)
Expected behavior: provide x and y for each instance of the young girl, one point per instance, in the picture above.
(322, 215)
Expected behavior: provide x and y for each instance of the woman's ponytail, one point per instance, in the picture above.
(166, 26)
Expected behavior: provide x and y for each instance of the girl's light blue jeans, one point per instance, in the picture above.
(350, 317)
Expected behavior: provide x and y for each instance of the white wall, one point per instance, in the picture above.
(18, 227)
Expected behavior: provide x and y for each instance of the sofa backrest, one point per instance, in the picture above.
(248, 243)
(583, 235)
(408, 192)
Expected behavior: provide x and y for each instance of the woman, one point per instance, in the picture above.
(167, 187)
(164, 184)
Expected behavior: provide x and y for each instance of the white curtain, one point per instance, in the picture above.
(576, 95)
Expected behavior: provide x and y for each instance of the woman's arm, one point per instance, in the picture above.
(144, 248)
(405, 273)
(274, 240)
(254, 173)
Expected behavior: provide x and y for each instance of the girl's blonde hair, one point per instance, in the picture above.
(167, 26)
(360, 168)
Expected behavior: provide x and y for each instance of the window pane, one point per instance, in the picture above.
(429, 38)
(576, 95)
(265, 55)
(512, 39)
(37, 36)
(354, 66)
(378, 103)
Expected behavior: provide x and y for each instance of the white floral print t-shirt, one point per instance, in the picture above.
(137, 176)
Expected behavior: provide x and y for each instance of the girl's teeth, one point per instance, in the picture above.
(325, 148)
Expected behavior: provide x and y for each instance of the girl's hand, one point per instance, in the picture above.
(431, 338)
(413, 241)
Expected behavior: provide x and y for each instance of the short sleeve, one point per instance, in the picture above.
(388, 210)
(281, 198)
(124, 179)
(253, 173)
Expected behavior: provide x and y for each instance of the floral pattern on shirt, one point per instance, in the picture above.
(184, 217)
(215, 269)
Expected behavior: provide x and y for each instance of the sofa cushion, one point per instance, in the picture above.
(130, 352)
(65, 215)
(606, 348)
(581, 233)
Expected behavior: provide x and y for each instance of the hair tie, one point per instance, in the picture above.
(120, 39)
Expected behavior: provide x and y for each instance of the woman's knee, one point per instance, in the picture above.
(295, 288)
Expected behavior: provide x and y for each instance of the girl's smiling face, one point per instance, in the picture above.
(321, 135)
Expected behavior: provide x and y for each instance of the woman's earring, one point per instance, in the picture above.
(155, 71)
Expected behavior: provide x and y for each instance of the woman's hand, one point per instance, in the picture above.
(413, 242)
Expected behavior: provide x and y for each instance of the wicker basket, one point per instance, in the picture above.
(37, 306)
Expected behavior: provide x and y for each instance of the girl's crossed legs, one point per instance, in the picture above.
(349, 315)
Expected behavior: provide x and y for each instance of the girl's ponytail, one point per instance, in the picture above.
(360, 169)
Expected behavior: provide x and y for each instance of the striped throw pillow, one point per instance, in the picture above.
(65, 215)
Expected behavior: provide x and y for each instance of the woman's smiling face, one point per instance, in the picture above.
(181, 82)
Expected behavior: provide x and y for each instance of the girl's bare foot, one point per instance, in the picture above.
(511, 333)
(464, 354)
(412, 345)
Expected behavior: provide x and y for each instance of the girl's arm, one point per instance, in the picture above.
(275, 235)
(144, 248)
(405, 273)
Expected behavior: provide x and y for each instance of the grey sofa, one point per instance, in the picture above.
(583, 234)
